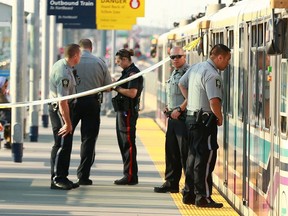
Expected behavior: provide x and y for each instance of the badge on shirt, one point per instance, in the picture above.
(218, 83)
(65, 83)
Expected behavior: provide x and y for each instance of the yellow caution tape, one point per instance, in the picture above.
(192, 44)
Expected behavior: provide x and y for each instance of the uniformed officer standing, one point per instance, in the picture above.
(127, 108)
(62, 83)
(202, 86)
(92, 73)
(176, 146)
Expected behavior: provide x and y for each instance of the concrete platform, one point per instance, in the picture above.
(25, 187)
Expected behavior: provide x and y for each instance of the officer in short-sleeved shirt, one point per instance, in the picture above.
(176, 145)
(62, 83)
(202, 87)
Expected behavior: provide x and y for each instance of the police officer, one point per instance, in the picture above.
(92, 73)
(202, 87)
(62, 83)
(176, 147)
(126, 117)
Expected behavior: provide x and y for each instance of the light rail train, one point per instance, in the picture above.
(252, 167)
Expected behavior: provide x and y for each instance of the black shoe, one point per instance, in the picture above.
(126, 181)
(74, 185)
(61, 185)
(7, 145)
(188, 199)
(166, 187)
(208, 203)
(85, 182)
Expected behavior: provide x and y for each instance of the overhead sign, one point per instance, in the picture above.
(126, 21)
(71, 7)
(79, 25)
(75, 19)
(120, 8)
(111, 26)
(111, 14)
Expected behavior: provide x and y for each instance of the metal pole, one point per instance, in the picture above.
(17, 78)
(113, 38)
(53, 42)
(34, 72)
(45, 63)
(103, 43)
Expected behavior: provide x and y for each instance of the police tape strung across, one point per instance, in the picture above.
(93, 91)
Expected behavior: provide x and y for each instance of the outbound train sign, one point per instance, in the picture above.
(96, 14)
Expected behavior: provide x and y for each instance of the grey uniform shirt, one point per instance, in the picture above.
(61, 81)
(93, 72)
(174, 95)
(203, 83)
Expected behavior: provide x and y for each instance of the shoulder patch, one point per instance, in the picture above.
(218, 83)
(65, 83)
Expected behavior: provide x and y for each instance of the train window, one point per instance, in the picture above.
(231, 86)
(256, 103)
(240, 95)
(260, 34)
(264, 87)
(218, 38)
(254, 36)
(160, 68)
(283, 97)
(241, 87)
(231, 40)
(241, 37)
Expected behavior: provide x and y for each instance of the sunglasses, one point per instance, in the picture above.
(175, 56)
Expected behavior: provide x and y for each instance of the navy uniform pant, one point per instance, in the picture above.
(87, 109)
(201, 158)
(61, 150)
(126, 136)
(176, 151)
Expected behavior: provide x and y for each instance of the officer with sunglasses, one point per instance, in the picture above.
(176, 148)
(92, 72)
(202, 86)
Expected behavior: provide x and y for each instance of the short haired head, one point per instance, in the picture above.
(219, 49)
(85, 43)
(220, 55)
(125, 53)
(71, 50)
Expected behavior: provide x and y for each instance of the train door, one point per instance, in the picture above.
(245, 112)
(228, 110)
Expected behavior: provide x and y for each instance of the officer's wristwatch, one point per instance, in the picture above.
(179, 109)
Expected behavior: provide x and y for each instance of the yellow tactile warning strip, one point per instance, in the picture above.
(153, 138)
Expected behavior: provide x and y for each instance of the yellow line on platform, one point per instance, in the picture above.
(153, 138)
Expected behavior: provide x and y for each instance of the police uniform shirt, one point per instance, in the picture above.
(203, 83)
(174, 95)
(135, 83)
(93, 72)
(61, 82)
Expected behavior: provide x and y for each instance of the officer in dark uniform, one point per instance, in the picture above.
(202, 86)
(62, 83)
(92, 73)
(126, 104)
(176, 146)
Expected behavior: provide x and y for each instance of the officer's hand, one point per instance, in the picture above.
(66, 129)
(175, 114)
(219, 122)
(165, 110)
